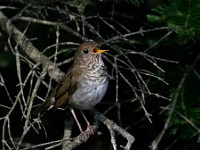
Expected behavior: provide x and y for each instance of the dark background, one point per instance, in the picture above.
(181, 45)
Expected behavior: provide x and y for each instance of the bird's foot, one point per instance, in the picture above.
(84, 136)
(87, 133)
(90, 129)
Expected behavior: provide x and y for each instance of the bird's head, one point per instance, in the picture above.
(88, 51)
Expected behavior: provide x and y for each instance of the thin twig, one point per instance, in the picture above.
(156, 141)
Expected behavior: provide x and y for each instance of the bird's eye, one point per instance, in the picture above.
(85, 51)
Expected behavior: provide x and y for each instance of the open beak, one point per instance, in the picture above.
(98, 51)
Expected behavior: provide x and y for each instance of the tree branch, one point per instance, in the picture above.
(31, 51)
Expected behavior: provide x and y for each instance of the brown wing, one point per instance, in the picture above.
(62, 91)
(67, 87)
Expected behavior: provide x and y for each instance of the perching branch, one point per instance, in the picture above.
(112, 127)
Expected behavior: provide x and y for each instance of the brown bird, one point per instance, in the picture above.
(85, 83)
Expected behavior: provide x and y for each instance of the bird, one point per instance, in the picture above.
(85, 83)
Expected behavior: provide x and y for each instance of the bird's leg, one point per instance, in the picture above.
(85, 135)
(88, 123)
(76, 119)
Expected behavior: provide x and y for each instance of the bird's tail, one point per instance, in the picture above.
(46, 105)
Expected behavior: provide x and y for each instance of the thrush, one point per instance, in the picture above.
(85, 83)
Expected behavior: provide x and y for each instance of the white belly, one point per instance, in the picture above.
(88, 94)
